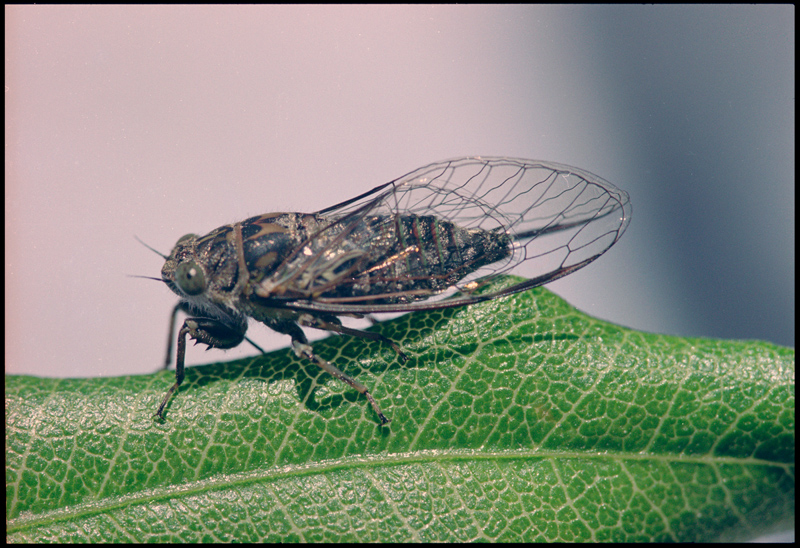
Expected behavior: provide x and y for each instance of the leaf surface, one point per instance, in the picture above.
(520, 419)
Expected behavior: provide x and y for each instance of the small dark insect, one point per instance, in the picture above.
(427, 240)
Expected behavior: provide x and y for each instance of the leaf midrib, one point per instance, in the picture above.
(103, 506)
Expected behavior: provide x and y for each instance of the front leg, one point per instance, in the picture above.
(185, 307)
(212, 332)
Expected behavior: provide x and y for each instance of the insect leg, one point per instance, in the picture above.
(179, 374)
(303, 350)
(173, 315)
(203, 330)
(255, 345)
(307, 320)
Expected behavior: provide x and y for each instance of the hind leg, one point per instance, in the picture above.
(303, 350)
(307, 320)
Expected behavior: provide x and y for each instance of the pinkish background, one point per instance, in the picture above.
(156, 121)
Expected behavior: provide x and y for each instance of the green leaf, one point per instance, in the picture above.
(520, 419)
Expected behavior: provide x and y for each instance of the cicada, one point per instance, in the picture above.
(430, 239)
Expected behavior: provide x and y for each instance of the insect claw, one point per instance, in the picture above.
(384, 420)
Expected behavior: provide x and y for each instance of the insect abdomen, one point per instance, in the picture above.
(380, 259)
(413, 257)
(448, 252)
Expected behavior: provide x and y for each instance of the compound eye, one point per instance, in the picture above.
(190, 278)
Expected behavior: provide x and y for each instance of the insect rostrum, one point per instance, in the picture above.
(427, 240)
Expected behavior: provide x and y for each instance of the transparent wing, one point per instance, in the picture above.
(557, 219)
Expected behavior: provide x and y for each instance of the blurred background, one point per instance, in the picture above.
(158, 121)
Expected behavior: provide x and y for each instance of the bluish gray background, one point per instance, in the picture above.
(156, 121)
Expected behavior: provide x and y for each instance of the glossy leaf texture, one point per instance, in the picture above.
(519, 419)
